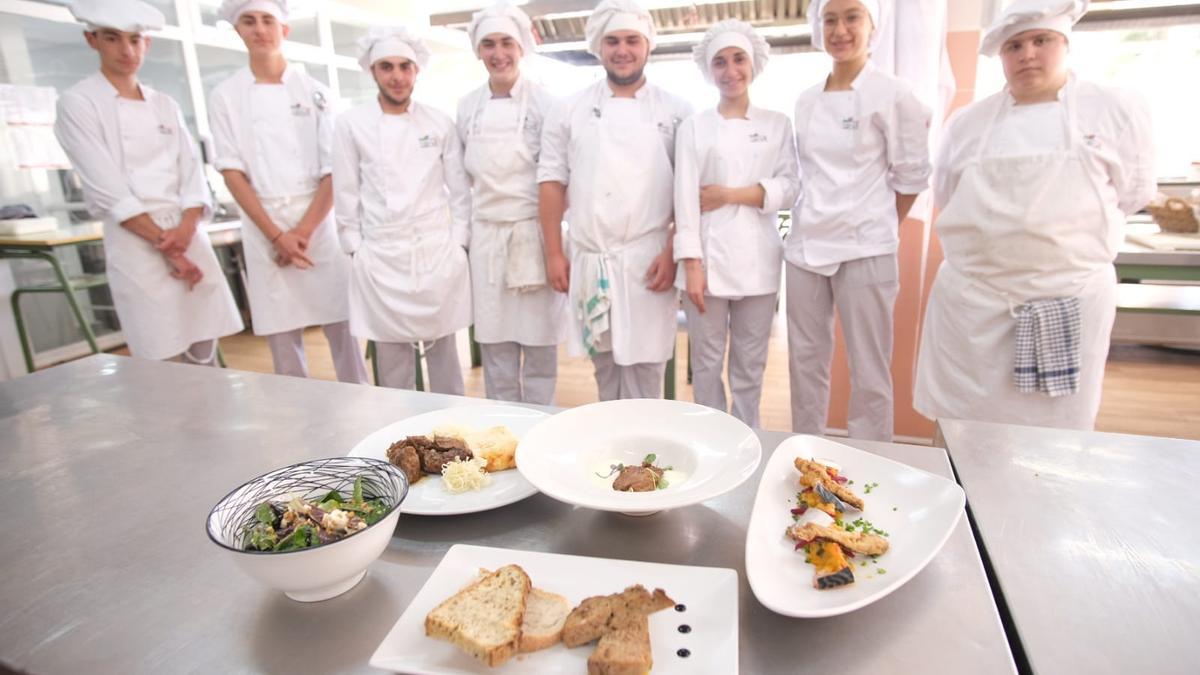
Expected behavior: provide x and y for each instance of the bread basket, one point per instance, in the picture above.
(1175, 215)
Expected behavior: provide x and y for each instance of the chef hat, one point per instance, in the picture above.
(127, 16)
(1023, 15)
(731, 33)
(231, 9)
(502, 18)
(814, 20)
(614, 15)
(383, 41)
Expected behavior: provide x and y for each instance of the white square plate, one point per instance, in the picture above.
(918, 510)
(709, 595)
(428, 497)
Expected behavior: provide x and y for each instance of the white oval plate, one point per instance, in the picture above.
(918, 510)
(428, 497)
(711, 452)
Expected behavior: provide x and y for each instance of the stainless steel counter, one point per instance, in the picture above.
(1093, 541)
(109, 466)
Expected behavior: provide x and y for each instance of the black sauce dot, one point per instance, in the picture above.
(680, 608)
(685, 628)
(683, 653)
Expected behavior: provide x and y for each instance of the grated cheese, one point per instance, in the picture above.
(465, 475)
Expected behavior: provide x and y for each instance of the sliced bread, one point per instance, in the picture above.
(545, 614)
(625, 648)
(592, 617)
(484, 619)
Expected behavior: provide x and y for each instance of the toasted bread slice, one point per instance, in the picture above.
(498, 444)
(484, 619)
(545, 614)
(592, 618)
(625, 648)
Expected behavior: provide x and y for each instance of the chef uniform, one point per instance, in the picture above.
(519, 318)
(615, 155)
(1033, 201)
(403, 207)
(136, 157)
(279, 136)
(739, 245)
(857, 150)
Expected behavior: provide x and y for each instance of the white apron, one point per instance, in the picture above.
(1018, 229)
(287, 298)
(624, 165)
(497, 157)
(160, 318)
(409, 281)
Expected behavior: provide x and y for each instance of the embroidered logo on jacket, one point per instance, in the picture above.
(428, 141)
(301, 110)
(758, 138)
(850, 124)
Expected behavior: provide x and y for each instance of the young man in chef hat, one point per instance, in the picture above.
(608, 152)
(519, 320)
(403, 208)
(141, 175)
(1033, 185)
(272, 126)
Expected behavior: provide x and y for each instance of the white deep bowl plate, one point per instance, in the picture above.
(427, 497)
(319, 573)
(711, 452)
(918, 510)
(709, 596)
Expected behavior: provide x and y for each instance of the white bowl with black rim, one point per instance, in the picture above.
(321, 572)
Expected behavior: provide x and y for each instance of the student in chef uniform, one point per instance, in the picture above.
(862, 139)
(403, 206)
(608, 153)
(142, 176)
(519, 319)
(1033, 185)
(735, 167)
(272, 126)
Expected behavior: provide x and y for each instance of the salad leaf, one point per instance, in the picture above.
(265, 514)
(650, 458)
(358, 492)
(303, 536)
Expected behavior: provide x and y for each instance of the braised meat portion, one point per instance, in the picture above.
(643, 478)
(417, 454)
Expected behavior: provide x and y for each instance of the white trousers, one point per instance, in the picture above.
(202, 353)
(287, 351)
(641, 380)
(864, 293)
(509, 377)
(397, 365)
(746, 325)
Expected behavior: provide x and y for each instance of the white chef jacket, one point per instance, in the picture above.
(87, 127)
(290, 169)
(506, 201)
(136, 157)
(560, 136)
(402, 204)
(847, 209)
(739, 244)
(642, 323)
(280, 137)
(365, 193)
(1116, 130)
